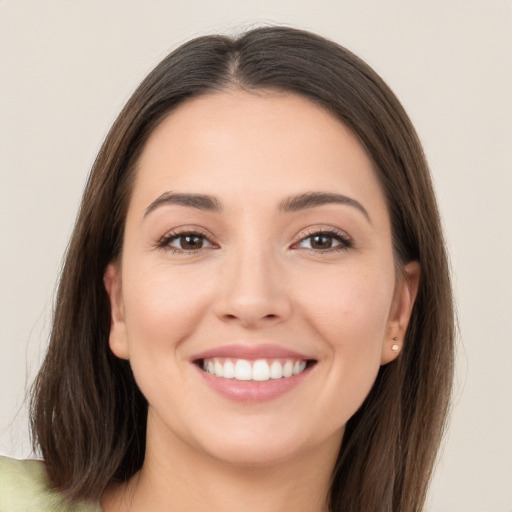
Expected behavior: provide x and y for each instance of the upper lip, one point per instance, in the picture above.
(251, 352)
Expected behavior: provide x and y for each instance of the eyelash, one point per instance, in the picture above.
(168, 238)
(336, 235)
(345, 242)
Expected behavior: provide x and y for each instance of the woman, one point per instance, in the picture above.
(255, 310)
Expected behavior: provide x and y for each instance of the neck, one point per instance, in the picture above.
(192, 480)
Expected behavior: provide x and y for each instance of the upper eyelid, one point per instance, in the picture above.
(177, 232)
(324, 231)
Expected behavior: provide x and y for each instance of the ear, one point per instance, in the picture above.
(117, 339)
(401, 309)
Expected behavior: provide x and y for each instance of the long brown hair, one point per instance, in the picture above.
(88, 416)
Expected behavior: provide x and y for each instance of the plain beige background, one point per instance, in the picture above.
(66, 69)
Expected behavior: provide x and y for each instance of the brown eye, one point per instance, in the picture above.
(325, 242)
(191, 242)
(321, 242)
(187, 242)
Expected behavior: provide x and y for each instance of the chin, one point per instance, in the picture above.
(255, 454)
(269, 446)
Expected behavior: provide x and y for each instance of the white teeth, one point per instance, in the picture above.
(229, 370)
(299, 367)
(288, 369)
(260, 370)
(243, 370)
(276, 370)
(218, 368)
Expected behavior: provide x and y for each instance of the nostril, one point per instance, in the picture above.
(234, 317)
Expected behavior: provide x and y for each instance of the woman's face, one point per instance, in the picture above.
(256, 296)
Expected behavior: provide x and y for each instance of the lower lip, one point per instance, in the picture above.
(252, 391)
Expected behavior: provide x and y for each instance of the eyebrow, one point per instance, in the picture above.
(290, 204)
(199, 201)
(315, 199)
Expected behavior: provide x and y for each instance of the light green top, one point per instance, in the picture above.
(24, 487)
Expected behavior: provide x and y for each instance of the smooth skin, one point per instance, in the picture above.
(252, 274)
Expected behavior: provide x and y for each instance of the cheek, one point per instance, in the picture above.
(349, 314)
(162, 311)
(349, 307)
(162, 306)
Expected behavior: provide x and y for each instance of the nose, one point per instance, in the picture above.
(253, 290)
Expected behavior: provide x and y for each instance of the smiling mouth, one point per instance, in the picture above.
(258, 370)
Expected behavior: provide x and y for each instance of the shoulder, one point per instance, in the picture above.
(24, 487)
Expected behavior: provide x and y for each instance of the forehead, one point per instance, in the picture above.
(258, 145)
